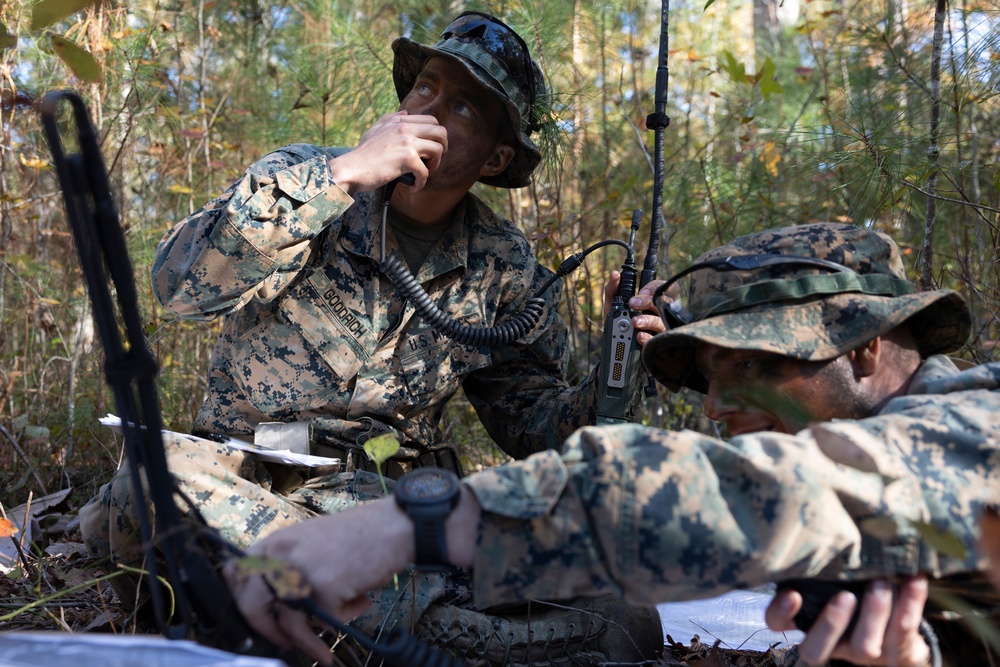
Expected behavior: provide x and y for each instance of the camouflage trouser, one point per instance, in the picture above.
(245, 500)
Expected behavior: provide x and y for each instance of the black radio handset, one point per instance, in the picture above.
(621, 373)
(405, 179)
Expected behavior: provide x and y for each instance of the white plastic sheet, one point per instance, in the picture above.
(736, 618)
(64, 649)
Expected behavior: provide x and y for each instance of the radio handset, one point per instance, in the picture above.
(405, 179)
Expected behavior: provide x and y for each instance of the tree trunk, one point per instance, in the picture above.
(933, 150)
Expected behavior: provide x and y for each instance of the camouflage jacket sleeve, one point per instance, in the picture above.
(523, 398)
(251, 240)
(658, 516)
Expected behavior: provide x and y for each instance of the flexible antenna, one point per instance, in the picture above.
(658, 122)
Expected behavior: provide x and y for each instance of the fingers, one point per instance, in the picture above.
(284, 627)
(822, 638)
(643, 300)
(887, 631)
(647, 325)
(253, 600)
(904, 645)
(867, 639)
(417, 142)
(780, 614)
(295, 625)
(396, 144)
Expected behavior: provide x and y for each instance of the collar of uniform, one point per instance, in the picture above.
(934, 370)
(945, 375)
(452, 249)
(359, 235)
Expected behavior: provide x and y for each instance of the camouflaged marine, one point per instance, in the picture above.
(657, 516)
(315, 334)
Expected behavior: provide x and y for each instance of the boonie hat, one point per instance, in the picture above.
(497, 58)
(810, 292)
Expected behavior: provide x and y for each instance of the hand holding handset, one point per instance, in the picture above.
(816, 593)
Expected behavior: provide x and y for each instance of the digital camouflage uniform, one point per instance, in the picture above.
(657, 516)
(314, 331)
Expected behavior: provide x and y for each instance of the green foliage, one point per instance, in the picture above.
(939, 540)
(736, 70)
(7, 40)
(47, 12)
(766, 81)
(380, 449)
(81, 63)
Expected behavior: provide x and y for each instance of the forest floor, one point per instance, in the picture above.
(64, 591)
(47, 583)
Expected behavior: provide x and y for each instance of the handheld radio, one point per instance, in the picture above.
(621, 371)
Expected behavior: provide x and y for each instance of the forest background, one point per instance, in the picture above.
(874, 112)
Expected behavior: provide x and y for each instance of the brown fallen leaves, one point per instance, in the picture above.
(699, 654)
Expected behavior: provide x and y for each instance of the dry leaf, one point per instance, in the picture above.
(7, 528)
(33, 162)
(287, 583)
(771, 157)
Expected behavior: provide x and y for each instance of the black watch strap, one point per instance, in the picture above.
(431, 544)
(428, 496)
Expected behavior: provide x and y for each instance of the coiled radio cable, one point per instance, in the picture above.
(510, 331)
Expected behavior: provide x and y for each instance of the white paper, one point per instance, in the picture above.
(274, 455)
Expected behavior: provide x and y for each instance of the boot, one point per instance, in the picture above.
(579, 632)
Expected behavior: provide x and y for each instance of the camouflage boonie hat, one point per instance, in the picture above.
(497, 58)
(805, 312)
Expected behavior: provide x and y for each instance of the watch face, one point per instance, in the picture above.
(428, 486)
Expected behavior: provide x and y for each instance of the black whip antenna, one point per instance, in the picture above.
(190, 551)
(658, 122)
(130, 370)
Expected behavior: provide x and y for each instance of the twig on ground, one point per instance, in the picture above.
(24, 457)
(21, 557)
(27, 517)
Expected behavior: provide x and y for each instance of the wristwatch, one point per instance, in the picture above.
(428, 496)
